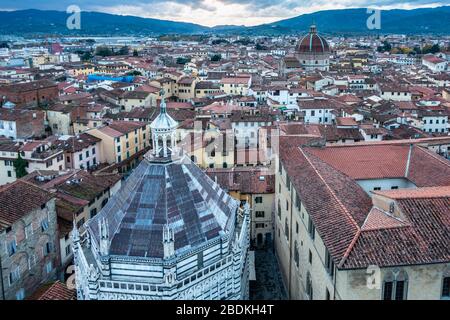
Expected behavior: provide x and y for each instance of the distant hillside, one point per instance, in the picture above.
(418, 21)
(348, 21)
(27, 22)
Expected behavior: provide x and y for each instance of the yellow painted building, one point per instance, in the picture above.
(212, 149)
(123, 141)
(82, 69)
(236, 85)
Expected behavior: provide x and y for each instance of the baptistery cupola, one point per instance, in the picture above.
(163, 131)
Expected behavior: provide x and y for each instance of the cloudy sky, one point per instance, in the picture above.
(216, 12)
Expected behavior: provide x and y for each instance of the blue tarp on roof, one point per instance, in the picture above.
(97, 77)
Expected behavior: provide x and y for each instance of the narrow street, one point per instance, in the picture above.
(268, 284)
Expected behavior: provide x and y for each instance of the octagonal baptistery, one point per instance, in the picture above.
(313, 51)
(170, 233)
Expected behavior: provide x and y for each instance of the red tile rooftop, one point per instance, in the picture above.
(14, 207)
(357, 234)
(55, 291)
(378, 219)
(346, 121)
(428, 192)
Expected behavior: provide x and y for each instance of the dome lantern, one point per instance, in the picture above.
(163, 131)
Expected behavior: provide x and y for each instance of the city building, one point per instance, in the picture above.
(345, 211)
(28, 235)
(42, 155)
(81, 151)
(257, 187)
(22, 124)
(79, 197)
(122, 142)
(9, 153)
(30, 93)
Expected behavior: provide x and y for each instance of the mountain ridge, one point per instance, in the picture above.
(343, 21)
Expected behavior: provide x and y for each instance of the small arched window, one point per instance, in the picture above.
(279, 208)
(296, 254)
(395, 285)
(286, 228)
(309, 286)
(446, 284)
(391, 207)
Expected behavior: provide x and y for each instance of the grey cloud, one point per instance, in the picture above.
(251, 4)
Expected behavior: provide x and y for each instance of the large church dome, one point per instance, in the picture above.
(313, 43)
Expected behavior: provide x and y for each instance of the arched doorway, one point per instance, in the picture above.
(259, 239)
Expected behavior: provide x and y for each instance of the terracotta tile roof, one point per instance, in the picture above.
(8, 145)
(356, 233)
(126, 126)
(18, 199)
(320, 104)
(148, 88)
(369, 129)
(76, 144)
(87, 186)
(337, 204)
(341, 121)
(28, 86)
(366, 162)
(332, 134)
(420, 193)
(139, 95)
(110, 132)
(378, 219)
(427, 169)
(244, 180)
(424, 241)
(17, 114)
(236, 80)
(380, 161)
(186, 80)
(433, 59)
(55, 291)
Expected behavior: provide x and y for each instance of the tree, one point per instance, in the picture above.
(435, 48)
(20, 166)
(86, 56)
(385, 47)
(134, 73)
(216, 57)
(417, 50)
(260, 47)
(431, 49)
(135, 53)
(244, 42)
(103, 51)
(182, 60)
(219, 41)
(124, 51)
(90, 42)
